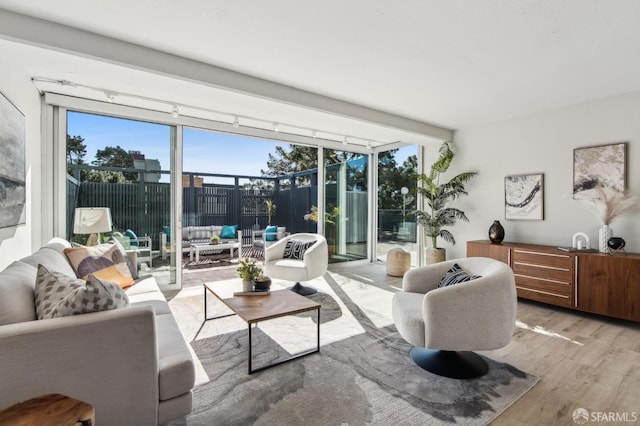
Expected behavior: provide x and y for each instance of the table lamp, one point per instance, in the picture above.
(93, 221)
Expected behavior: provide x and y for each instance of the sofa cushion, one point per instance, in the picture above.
(456, 275)
(176, 370)
(229, 231)
(133, 237)
(51, 288)
(132, 268)
(105, 261)
(271, 233)
(17, 283)
(53, 259)
(58, 295)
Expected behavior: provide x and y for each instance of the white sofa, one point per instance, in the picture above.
(132, 364)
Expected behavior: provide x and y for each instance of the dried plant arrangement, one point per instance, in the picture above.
(611, 203)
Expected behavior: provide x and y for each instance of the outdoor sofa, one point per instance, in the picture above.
(131, 363)
(199, 234)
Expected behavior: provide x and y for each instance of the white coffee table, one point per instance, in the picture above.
(198, 247)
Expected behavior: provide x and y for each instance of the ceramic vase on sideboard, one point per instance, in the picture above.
(604, 234)
(496, 232)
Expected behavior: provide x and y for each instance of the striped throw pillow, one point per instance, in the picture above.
(456, 275)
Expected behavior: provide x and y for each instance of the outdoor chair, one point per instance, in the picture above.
(265, 237)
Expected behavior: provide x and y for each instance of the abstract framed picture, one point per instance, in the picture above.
(604, 165)
(524, 197)
(12, 164)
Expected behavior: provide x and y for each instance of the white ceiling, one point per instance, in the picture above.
(454, 64)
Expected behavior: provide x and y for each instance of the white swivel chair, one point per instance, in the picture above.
(281, 264)
(445, 324)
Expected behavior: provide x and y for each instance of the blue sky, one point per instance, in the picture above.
(203, 151)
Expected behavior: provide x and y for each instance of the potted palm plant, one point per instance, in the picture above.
(437, 196)
(271, 209)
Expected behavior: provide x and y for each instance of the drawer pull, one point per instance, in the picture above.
(541, 266)
(543, 292)
(541, 254)
(542, 279)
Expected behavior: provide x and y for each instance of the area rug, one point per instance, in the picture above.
(366, 379)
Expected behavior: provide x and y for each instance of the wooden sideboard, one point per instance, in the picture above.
(593, 282)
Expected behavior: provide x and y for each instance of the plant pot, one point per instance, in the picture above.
(435, 255)
(247, 286)
(262, 285)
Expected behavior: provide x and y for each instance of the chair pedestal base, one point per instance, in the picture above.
(452, 364)
(302, 290)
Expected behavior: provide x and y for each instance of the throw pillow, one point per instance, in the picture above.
(132, 235)
(97, 295)
(132, 268)
(271, 233)
(229, 231)
(456, 275)
(295, 249)
(105, 261)
(167, 230)
(51, 288)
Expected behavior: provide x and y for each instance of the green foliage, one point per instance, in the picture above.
(271, 208)
(249, 269)
(437, 196)
(116, 157)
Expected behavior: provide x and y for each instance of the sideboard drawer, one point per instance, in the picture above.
(544, 276)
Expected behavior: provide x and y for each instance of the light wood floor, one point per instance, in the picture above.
(583, 360)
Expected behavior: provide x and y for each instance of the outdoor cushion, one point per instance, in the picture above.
(271, 233)
(132, 235)
(229, 231)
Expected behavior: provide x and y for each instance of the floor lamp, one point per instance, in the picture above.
(93, 221)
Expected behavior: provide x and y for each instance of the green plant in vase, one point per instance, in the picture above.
(248, 271)
(437, 196)
(330, 220)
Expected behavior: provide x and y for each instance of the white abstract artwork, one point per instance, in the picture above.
(12, 165)
(603, 165)
(523, 197)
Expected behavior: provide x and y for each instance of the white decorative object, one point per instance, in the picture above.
(603, 236)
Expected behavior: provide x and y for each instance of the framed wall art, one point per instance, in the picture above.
(12, 164)
(604, 165)
(524, 197)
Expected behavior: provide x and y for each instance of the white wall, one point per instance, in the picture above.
(22, 240)
(544, 143)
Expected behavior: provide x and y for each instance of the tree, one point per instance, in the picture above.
(115, 157)
(76, 150)
(297, 159)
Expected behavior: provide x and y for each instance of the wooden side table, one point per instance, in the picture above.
(49, 410)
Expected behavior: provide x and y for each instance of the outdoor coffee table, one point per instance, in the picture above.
(198, 247)
(254, 309)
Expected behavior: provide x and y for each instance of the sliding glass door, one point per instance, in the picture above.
(346, 204)
(396, 202)
(125, 165)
